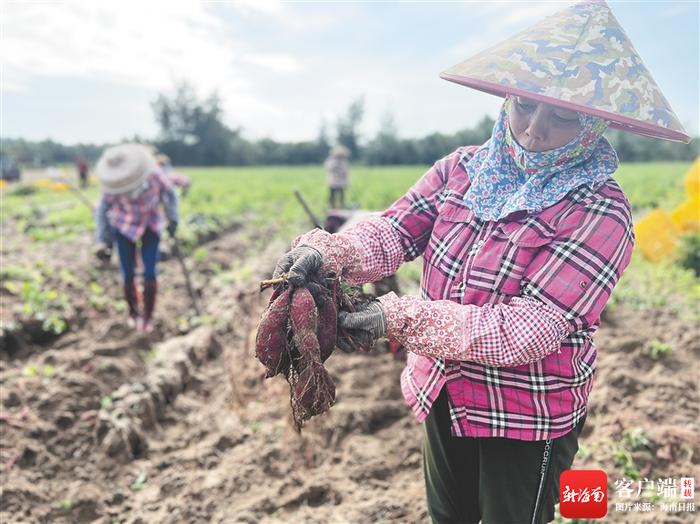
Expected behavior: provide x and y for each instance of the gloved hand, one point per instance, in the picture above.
(299, 263)
(103, 252)
(172, 227)
(369, 318)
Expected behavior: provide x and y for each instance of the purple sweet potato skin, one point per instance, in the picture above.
(327, 331)
(276, 292)
(271, 340)
(304, 320)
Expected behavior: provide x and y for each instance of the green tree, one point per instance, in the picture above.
(347, 126)
(192, 131)
(386, 148)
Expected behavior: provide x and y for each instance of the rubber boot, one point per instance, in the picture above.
(150, 289)
(132, 301)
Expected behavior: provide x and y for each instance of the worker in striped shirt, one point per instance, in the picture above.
(523, 239)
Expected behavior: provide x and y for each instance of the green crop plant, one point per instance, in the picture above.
(689, 252)
(633, 440)
(106, 403)
(658, 350)
(623, 459)
(45, 305)
(97, 298)
(34, 370)
(139, 483)
(21, 273)
(636, 439)
(584, 452)
(200, 254)
(66, 505)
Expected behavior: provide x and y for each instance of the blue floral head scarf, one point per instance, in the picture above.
(506, 178)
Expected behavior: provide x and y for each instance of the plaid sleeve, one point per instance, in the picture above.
(413, 215)
(375, 248)
(500, 335)
(163, 180)
(179, 180)
(366, 252)
(576, 273)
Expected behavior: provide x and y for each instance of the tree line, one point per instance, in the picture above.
(192, 131)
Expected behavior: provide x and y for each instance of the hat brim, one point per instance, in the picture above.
(616, 121)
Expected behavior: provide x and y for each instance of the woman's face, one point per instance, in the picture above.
(540, 127)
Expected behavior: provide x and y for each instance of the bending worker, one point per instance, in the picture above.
(134, 188)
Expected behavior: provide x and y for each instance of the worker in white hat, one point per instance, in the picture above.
(129, 212)
(337, 174)
(523, 240)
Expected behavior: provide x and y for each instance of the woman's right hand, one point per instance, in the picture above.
(298, 264)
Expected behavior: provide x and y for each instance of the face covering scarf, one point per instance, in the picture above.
(506, 178)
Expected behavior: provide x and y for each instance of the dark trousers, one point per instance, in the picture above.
(337, 193)
(489, 479)
(127, 255)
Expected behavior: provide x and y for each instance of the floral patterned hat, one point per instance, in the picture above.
(580, 59)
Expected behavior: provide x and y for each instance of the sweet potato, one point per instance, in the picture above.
(271, 340)
(327, 330)
(313, 391)
(304, 320)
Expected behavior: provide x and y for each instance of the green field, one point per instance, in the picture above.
(266, 192)
(263, 195)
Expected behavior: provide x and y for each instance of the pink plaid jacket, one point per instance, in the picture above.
(508, 308)
(132, 215)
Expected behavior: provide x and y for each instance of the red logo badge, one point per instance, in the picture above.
(583, 494)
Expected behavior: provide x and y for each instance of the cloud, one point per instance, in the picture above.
(297, 18)
(279, 68)
(502, 20)
(147, 44)
(676, 9)
(274, 62)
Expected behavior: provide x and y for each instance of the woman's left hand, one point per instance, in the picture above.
(369, 318)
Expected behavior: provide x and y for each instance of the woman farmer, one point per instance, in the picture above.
(523, 240)
(337, 171)
(129, 212)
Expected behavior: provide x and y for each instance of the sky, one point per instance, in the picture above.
(87, 71)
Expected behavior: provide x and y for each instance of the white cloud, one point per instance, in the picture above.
(274, 62)
(299, 16)
(678, 9)
(146, 44)
(280, 68)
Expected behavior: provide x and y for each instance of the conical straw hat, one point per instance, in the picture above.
(581, 59)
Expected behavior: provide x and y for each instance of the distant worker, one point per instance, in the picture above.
(177, 178)
(337, 171)
(133, 188)
(82, 167)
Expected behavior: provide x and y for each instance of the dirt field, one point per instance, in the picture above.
(103, 425)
